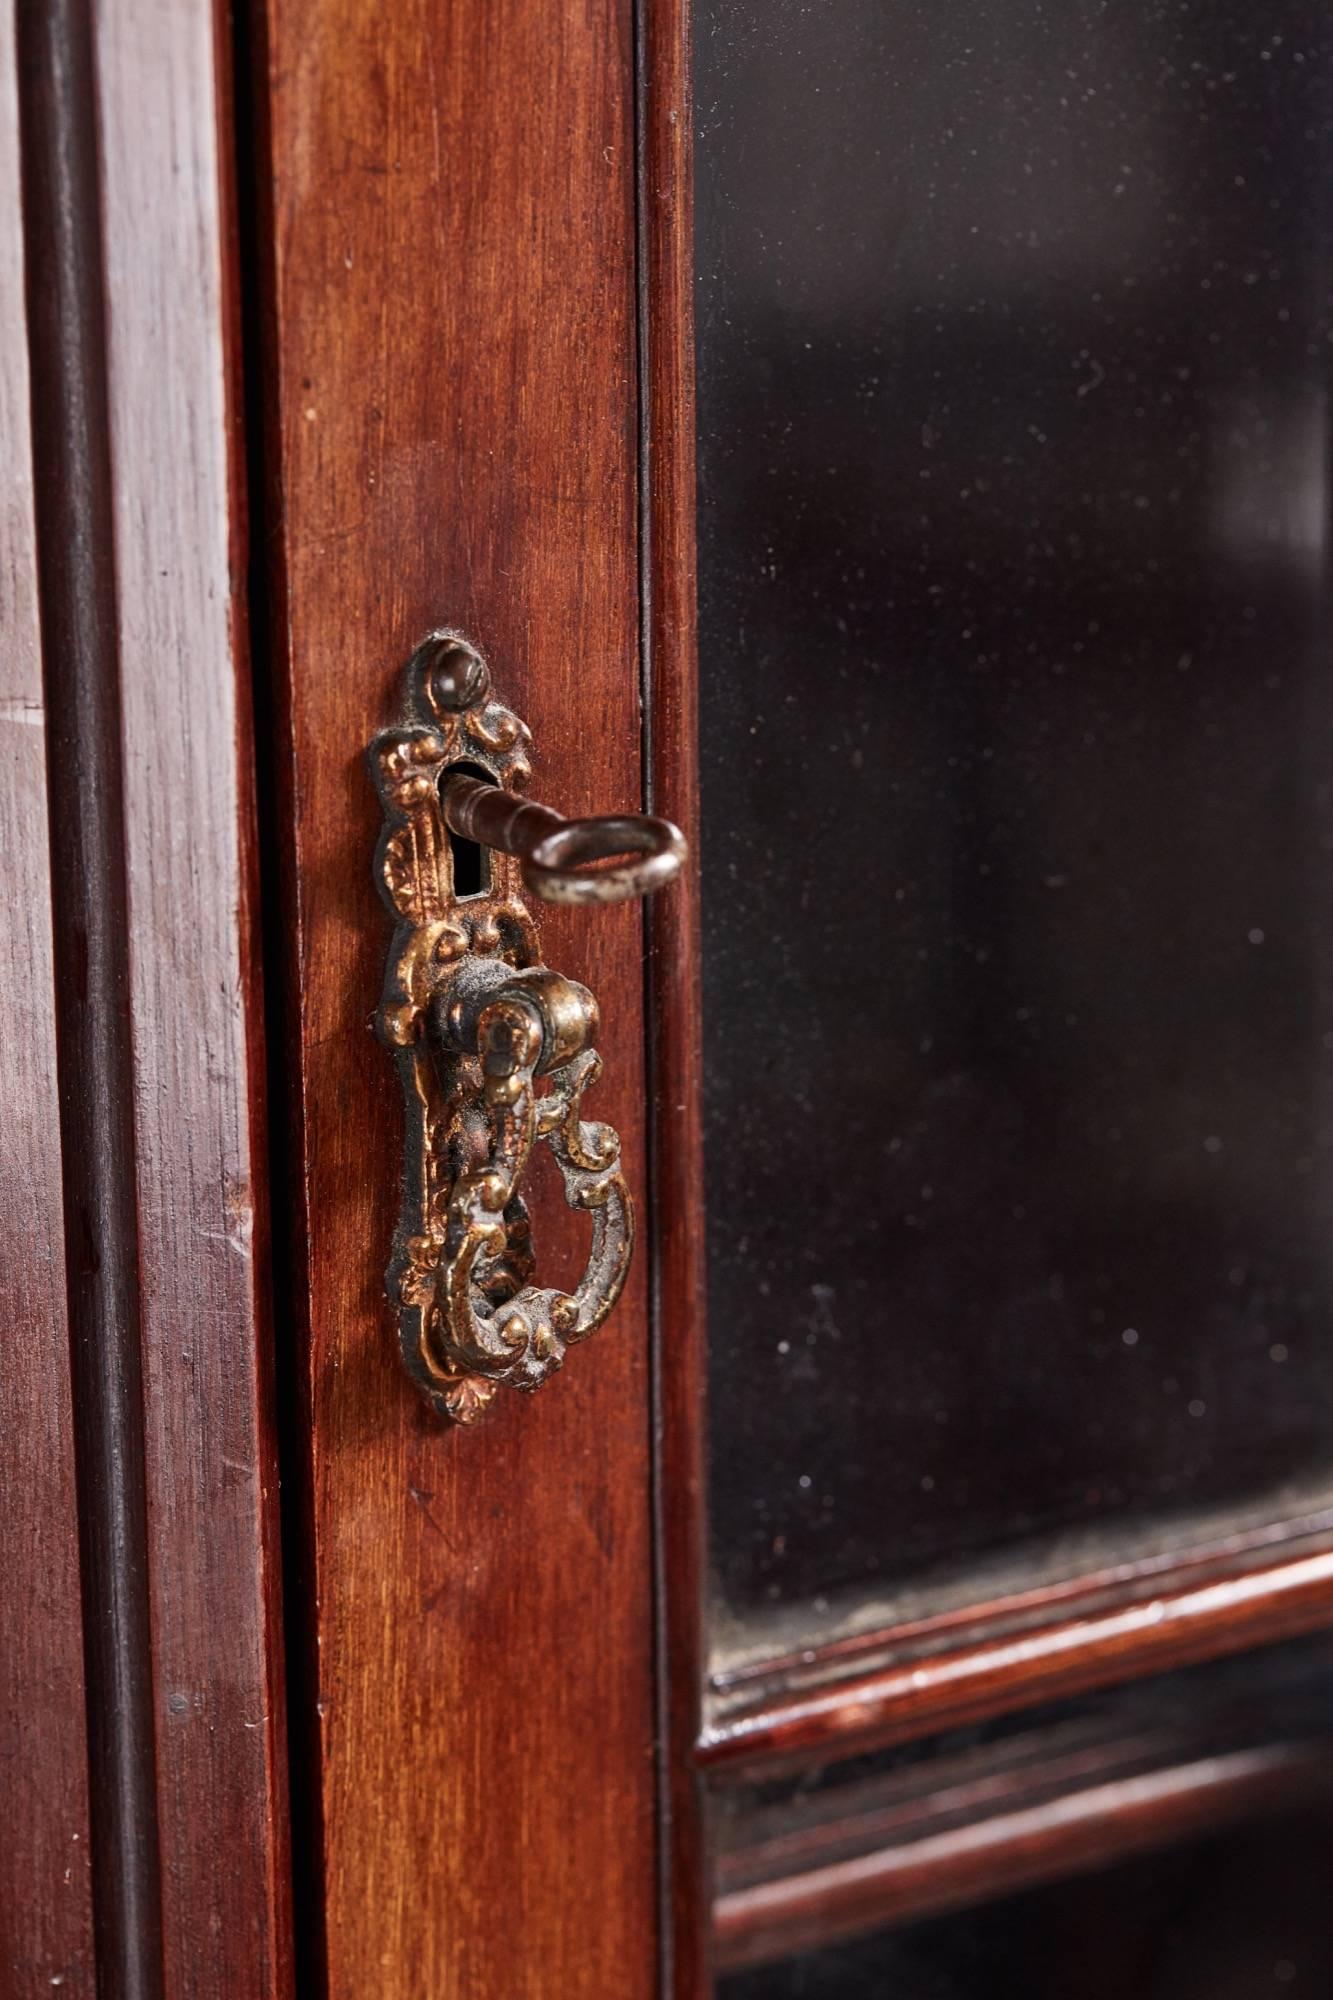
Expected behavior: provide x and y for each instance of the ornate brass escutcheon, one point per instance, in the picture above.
(475, 1021)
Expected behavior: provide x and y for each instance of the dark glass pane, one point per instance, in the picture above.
(1243, 1917)
(1014, 344)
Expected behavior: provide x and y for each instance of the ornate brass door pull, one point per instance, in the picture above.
(474, 1021)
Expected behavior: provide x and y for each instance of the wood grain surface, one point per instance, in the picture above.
(452, 396)
(126, 147)
(174, 398)
(1074, 1786)
(45, 1886)
(1005, 1840)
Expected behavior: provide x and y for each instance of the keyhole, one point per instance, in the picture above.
(472, 865)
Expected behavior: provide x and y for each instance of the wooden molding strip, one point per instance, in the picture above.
(1012, 1850)
(175, 403)
(157, 1018)
(667, 559)
(1207, 1553)
(92, 1029)
(901, 1693)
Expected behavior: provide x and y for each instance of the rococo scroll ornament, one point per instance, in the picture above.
(477, 1025)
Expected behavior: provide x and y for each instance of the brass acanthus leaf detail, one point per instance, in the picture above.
(474, 1021)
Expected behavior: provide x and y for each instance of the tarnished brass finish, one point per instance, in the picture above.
(556, 852)
(474, 1021)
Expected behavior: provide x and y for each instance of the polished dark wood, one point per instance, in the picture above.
(159, 1036)
(666, 363)
(450, 380)
(1080, 1787)
(45, 1886)
(889, 1685)
(1231, 1910)
(175, 405)
(995, 1853)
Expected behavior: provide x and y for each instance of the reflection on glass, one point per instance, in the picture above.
(1275, 1703)
(1014, 346)
(1228, 1919)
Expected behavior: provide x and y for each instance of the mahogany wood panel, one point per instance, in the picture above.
(666, 353)
(45, 1888)
(887, 1686)
(452, 386)
(174, 399)
(161, 1062)
(997, 1850)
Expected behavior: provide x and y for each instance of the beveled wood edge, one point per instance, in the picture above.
(1016, 1848)
(1081, 1587)
(174, 367)
(898, 1683)
(669, 630)
(282, 920)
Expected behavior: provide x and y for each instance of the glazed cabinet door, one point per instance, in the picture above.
(773, 1438)
(1013, 344)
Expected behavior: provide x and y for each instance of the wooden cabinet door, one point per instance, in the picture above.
(971, 1085)
(1009, 956)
